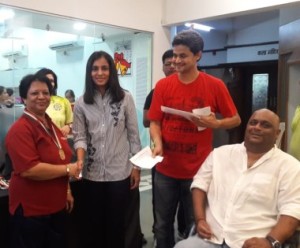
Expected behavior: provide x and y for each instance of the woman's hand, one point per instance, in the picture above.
(70, 201)
(75, 169)
(66, 129)
(135, 178)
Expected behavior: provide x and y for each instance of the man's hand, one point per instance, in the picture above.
(209, 121)
(257, 243)
(157, 150)
(203, 229)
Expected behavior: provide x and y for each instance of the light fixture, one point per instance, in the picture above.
(79, 26)
(198, 26)
(6, 14)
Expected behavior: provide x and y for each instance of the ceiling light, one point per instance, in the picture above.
(79, 26)
(198, 26)
(6, 14)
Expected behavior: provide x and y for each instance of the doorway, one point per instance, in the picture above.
(251, 85)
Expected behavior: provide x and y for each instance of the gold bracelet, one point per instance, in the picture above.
(68, 170)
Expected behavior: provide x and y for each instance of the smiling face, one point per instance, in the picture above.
(100, 74)
(38, 98)
(184, 60)
(262, 130)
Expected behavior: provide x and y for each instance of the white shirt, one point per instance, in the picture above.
(245, 203)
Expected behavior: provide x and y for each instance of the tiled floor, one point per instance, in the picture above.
(146, 207)
(146, 212)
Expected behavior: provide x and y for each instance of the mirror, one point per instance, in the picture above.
(30, 41)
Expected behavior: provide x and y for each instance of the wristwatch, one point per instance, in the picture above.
(274, 243)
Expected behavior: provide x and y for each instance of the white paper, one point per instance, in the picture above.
(204, 112)
(188, 115)
(185, 114)
(144, 158)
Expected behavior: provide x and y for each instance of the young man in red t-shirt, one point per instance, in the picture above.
(177, 139)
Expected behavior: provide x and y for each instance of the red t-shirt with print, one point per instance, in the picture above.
(185, 148)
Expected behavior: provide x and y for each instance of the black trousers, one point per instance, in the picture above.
(46, 231)
(103, 213)
(133, 232)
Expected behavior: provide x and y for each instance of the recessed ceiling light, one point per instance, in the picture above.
(198, 26)
(6, 14)
(79, 26)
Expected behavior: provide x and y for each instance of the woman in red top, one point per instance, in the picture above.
(40, 155)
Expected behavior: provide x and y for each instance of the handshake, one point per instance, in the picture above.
(74, 169)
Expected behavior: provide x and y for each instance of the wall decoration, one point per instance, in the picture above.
(122, 57)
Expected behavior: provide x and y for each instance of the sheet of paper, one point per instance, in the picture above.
(181, 113)
(204, 112)
(144, 158)
(196, 112)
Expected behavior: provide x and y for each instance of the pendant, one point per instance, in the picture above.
(61, 154)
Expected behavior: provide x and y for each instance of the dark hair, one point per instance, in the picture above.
(167, 54)
(71, 92)
(2, 89)
(116, 91)
(28, 80)
(10, 91)
(191, 39)
(43, 72)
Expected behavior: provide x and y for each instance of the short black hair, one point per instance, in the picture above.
(71, 92)
(43, 72)
(167, 54)
(28, 80)
(10, 91)
(191, 39)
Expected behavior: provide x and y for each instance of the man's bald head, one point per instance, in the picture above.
(262, 130)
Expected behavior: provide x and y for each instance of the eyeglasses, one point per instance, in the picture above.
(168, 64)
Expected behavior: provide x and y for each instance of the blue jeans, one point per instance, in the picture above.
(196, 242)
(168, 193)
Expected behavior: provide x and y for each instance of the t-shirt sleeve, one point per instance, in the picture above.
(155, 112)
(148, 100)
(22, 149)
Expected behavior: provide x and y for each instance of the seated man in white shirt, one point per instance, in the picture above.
(247, 195)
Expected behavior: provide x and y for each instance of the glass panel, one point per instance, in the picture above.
(260, 84)
(30, 41)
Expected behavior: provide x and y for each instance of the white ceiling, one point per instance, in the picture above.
(232, 24)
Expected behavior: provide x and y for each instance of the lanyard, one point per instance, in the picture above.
(56, 140)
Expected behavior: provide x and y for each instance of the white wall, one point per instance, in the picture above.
(259, 33)
(196, 9)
